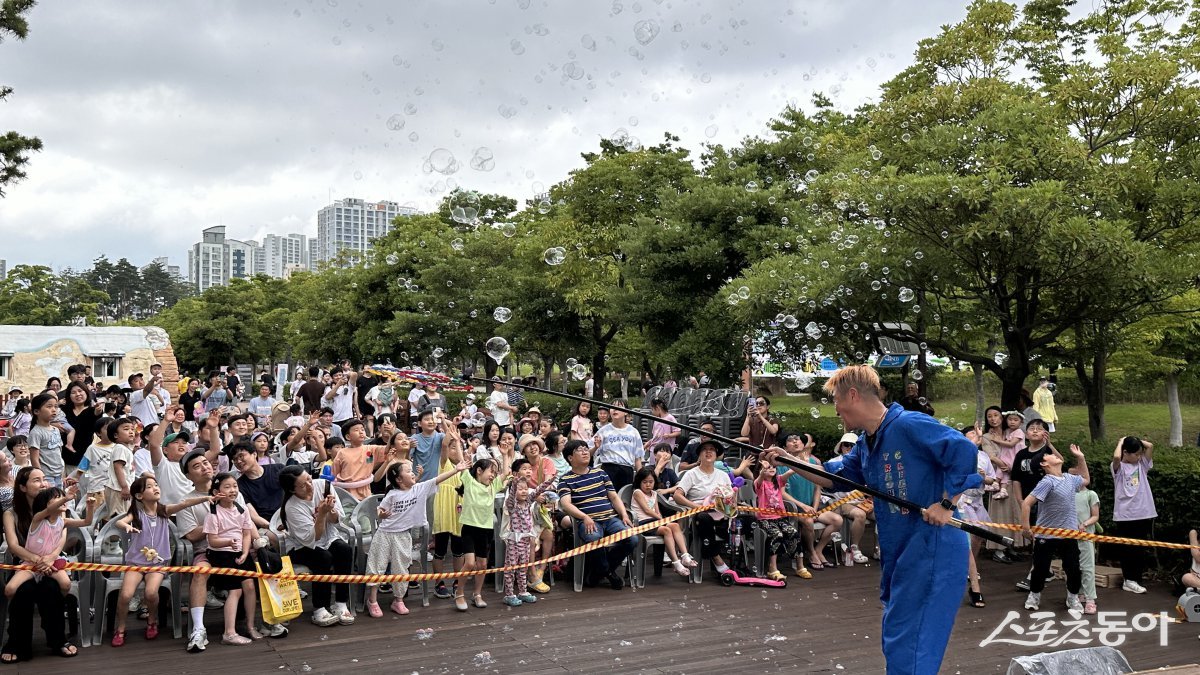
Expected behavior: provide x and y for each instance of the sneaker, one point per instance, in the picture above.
(615, 581)
(373, 610)
(275, 630)
(857, 555)
(1023, 585)
(512, 601)
(398, 607)
(1073, 603)
(803, 573)
(322, 617)
(1033, 601)
(1133, 587)
(414, 585)
(441, 592)
(198, 641)
(527, 598)
(385, 588)
(345, 617)
(1089, 607)
(212, 601)
(234, 639)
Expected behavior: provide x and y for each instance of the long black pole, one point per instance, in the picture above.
(976, 530)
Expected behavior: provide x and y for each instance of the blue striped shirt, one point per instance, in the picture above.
(1057, 497)
(589, 493)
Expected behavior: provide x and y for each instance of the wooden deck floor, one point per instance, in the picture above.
(828, 624)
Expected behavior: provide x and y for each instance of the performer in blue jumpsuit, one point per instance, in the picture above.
(910, 455)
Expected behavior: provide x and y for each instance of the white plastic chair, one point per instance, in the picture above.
(105, 586)
(646, 542)
(78, 549)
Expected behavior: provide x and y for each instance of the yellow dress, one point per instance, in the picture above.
(445, 503)
(1043, 403)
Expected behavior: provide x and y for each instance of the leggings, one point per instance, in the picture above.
(1133, 558)
(706, 528)
(517, 553)
(782, 536)
(337, 559)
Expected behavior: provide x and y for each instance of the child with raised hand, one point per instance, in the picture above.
(478, 490)
(645, 510)
(1133, 506)
(231, 535)
(401, 511)
(1056, 492)
(149, 546)
(1087, 509)
(517, 529)
(48, 535)
(782, 533)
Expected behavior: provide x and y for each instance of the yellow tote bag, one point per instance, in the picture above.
(280, 599)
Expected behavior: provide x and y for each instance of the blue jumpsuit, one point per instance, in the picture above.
(924, 567)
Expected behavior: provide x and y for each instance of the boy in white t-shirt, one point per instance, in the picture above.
(123, 432)
(94, 464)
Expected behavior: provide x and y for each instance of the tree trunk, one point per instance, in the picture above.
(601, 338)
(1012, 381)
(548, 367)
(1175, 437)
(980, 402)
(624, 387)
(1092, 384)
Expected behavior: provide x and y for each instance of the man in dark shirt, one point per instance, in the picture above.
(232, 380)
(311, 391)
(912, 400)
(258, 485)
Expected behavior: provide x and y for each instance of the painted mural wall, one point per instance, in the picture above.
(35, 353)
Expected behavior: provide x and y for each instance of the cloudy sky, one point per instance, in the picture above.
(160, 119)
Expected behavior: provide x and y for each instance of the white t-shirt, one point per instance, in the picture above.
(502, 416)
(141, 463)
(589, 387)
(415, 394)
(143, 408)
(121, 453)
(301, 526)
(342, 403)
(171, 481)
(619, 446)
(163, 395)
(95, 466)
(407, 507)
(697, 485)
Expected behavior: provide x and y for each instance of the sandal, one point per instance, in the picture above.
(814, 565)
(8, 658)
(151, 631)
(68, 650)
(977, 599)
(118, 638)
(478, 600)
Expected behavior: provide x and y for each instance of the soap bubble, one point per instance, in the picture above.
(813, 330)
(438, 353)
(905, 294)
(456, 244)
(645, 31)
(572, 361)
(916, 374)
(497, 348)
(804, 381)
(502, 314)
(791, 322)
(543, 207)
(483, 159)
(743, 292)
(752, 186)
(395, 122)
(508, 230)
(555, 255)
(392, 259)
(815, 412)
(464, 207)
(442, 161)
(579, 372)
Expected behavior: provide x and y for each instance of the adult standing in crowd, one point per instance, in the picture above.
(1043, 403)
(759, 428)
(365, 384)
(312, 391)
(81, 414)
(912, 400)
(188, 399)
(340, 396)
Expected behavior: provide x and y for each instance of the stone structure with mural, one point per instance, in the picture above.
(29, 355)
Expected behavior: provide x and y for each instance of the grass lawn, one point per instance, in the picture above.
(1146, 420)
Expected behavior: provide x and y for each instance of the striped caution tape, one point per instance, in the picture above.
(1064, 533)
(376, 578)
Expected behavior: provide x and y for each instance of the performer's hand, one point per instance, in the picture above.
(936, 515)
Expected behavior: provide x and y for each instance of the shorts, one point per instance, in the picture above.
(476, 540)
(646, 520)
(114, 504)
(443, 541)
(200, 557)
(228, 560)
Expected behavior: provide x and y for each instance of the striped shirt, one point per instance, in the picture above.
(589, 493)
(1057, 495)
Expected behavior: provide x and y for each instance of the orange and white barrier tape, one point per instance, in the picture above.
(1064, 533)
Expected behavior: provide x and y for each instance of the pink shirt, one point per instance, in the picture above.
(770, 496)
(228, 523)
(583, 428)
(45, 537)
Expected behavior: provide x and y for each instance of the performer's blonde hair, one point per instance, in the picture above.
(862, 378)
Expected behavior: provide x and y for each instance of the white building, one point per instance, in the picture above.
(208, 261)
(243, 257)
(281, 253)
(3, 269)
(173, 270)
(353, 225)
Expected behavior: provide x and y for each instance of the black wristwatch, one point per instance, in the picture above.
(948, 505)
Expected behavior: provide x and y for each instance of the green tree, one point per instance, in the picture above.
(34, 295)
(14, 147)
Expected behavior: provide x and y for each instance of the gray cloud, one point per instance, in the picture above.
(160, 119)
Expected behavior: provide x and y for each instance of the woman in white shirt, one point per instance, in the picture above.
(309, 516)
(695, 487)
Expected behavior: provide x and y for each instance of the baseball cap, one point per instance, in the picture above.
(187, 459)
(170, 438)
(848, 438)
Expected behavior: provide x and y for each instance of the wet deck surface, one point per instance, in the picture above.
(827, 624)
